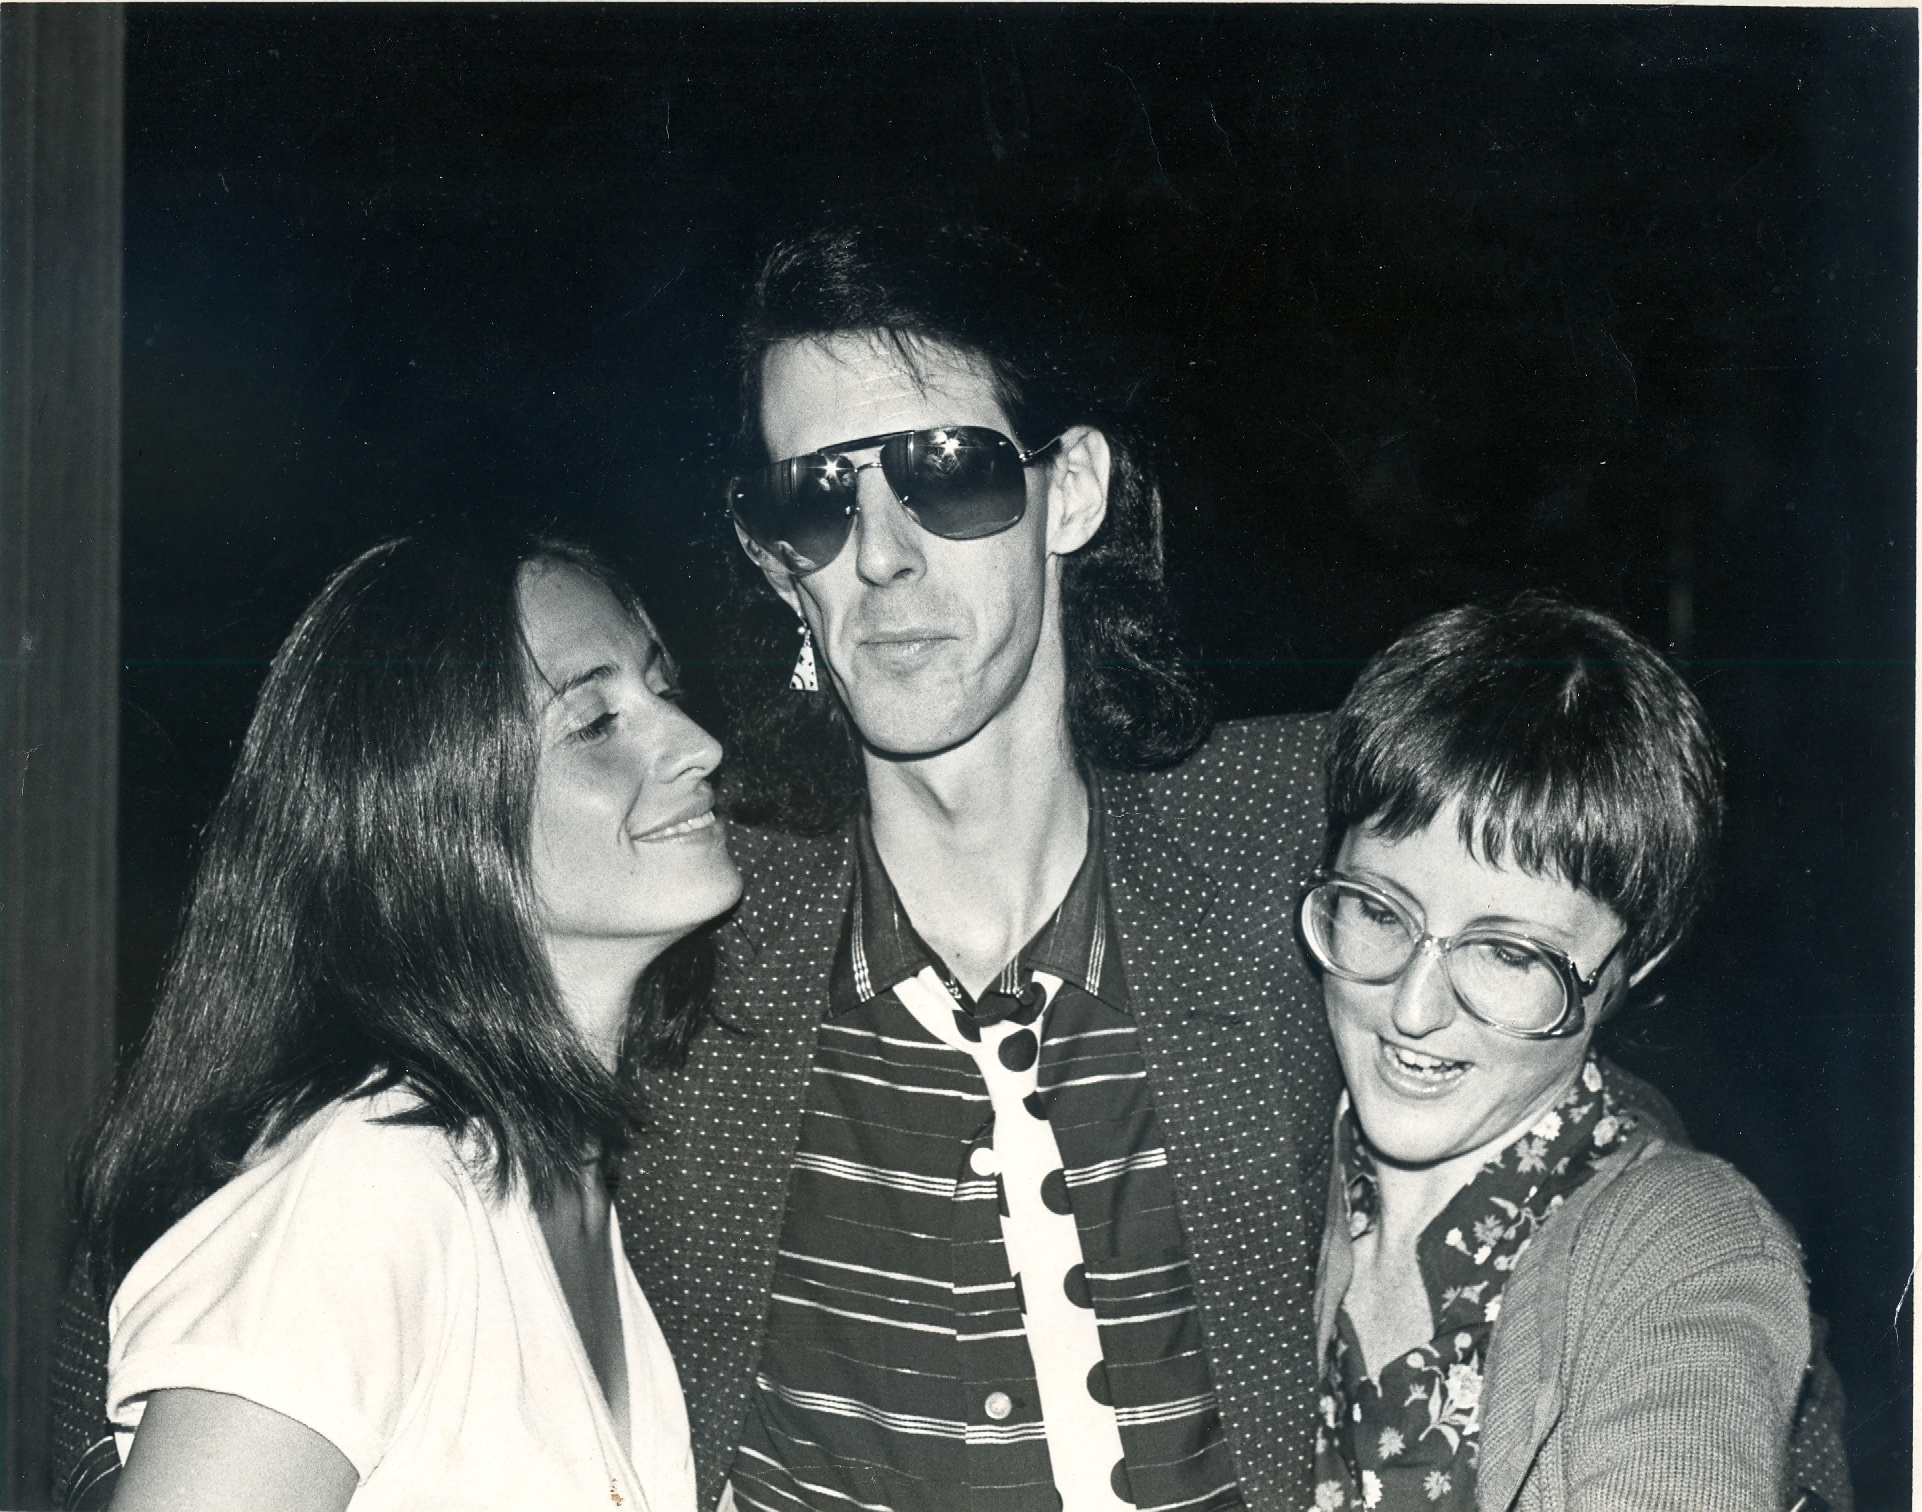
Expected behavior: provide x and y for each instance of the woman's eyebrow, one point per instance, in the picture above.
(1537, 928)
(581, 679)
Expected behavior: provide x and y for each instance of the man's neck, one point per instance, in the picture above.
(982, 842)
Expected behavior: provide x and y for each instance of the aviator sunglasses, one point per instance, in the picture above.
(960, 482)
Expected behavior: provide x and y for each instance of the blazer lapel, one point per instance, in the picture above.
(1213, 998)
(736, 1129)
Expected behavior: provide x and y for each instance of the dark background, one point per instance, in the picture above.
(1435, 303)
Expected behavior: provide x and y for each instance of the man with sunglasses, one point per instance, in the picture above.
(1001, 1184)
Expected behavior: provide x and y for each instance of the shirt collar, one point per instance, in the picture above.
(880, 947)
(1554, 1156)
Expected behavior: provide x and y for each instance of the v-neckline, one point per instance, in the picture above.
(583, 1364)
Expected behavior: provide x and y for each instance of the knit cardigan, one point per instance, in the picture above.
(1650, 1346)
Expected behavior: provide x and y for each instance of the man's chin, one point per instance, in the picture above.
(905, 746)
(910, 729)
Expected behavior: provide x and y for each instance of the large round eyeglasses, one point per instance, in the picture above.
(1505, 980)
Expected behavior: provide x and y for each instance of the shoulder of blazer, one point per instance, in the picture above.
(1255, 787)
(783, 876)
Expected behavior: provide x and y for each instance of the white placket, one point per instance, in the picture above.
(1044, 1250)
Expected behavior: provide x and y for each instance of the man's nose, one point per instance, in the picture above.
(1424, 1002)
(887, 542)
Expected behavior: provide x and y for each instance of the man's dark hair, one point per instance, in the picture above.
(1133, 703)
(1572, 746)
(363, 914)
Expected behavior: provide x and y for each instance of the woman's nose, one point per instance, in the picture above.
(887, 542)
(1424, 1002)
(686, 748)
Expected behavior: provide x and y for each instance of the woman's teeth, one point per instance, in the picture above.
(685, 827)
(1417, 1064)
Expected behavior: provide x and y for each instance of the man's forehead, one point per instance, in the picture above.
(821, 389)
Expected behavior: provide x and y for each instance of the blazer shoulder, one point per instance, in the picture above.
(1256, 745)
(780, 872)
(1255, 780)
(758, 850)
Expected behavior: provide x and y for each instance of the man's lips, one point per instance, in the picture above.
(910, 637)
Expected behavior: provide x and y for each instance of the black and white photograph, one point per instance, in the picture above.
(957, 758)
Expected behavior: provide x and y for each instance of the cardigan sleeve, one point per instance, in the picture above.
(1692, 1337)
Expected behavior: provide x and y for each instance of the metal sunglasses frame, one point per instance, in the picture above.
(849, 490)
(1576, 989)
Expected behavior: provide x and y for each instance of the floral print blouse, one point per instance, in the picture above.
(1410, 1438)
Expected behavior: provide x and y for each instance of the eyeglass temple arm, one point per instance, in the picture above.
(1588, 983)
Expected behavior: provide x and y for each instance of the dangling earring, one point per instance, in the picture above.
(805, 678)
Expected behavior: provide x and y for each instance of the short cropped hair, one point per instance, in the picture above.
(1573, 747)
(1133, 703)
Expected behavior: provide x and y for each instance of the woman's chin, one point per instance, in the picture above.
(1415, 1141)
(1418, 1123)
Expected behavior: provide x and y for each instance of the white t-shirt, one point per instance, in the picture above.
(360, 1281)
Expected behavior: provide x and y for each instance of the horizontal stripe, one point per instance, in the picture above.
(1166, 1412)
(848, 1407)
(1130, 1275)
(840, 1312)
(1089, 1081)
(869, 1270)
(852, 1031)
(1173, 1312)
(896, 1317)
(895, 1086)
(1057, 1041)
(992, 1433)
(1147, 1160)
(900, 1181)
(1126, 1297)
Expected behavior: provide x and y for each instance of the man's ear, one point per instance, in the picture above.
(772, 568)
(1077, 489)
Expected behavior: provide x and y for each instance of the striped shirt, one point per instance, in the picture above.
(899, 1368)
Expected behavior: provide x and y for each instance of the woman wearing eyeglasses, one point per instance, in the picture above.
(349, 1204)
(1528, 1297)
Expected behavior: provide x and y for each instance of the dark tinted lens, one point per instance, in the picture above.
(799, 509)
(962, 481)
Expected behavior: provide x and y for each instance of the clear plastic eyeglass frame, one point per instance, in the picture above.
(1576, 988)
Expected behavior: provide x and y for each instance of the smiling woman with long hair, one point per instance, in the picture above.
(348, 1201)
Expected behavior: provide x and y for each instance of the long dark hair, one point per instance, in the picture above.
(363, 914)
(1133, 703)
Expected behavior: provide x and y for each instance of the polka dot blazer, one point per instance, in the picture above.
(1205, 862)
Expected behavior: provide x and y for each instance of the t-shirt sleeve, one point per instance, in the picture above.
(320, 1284)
